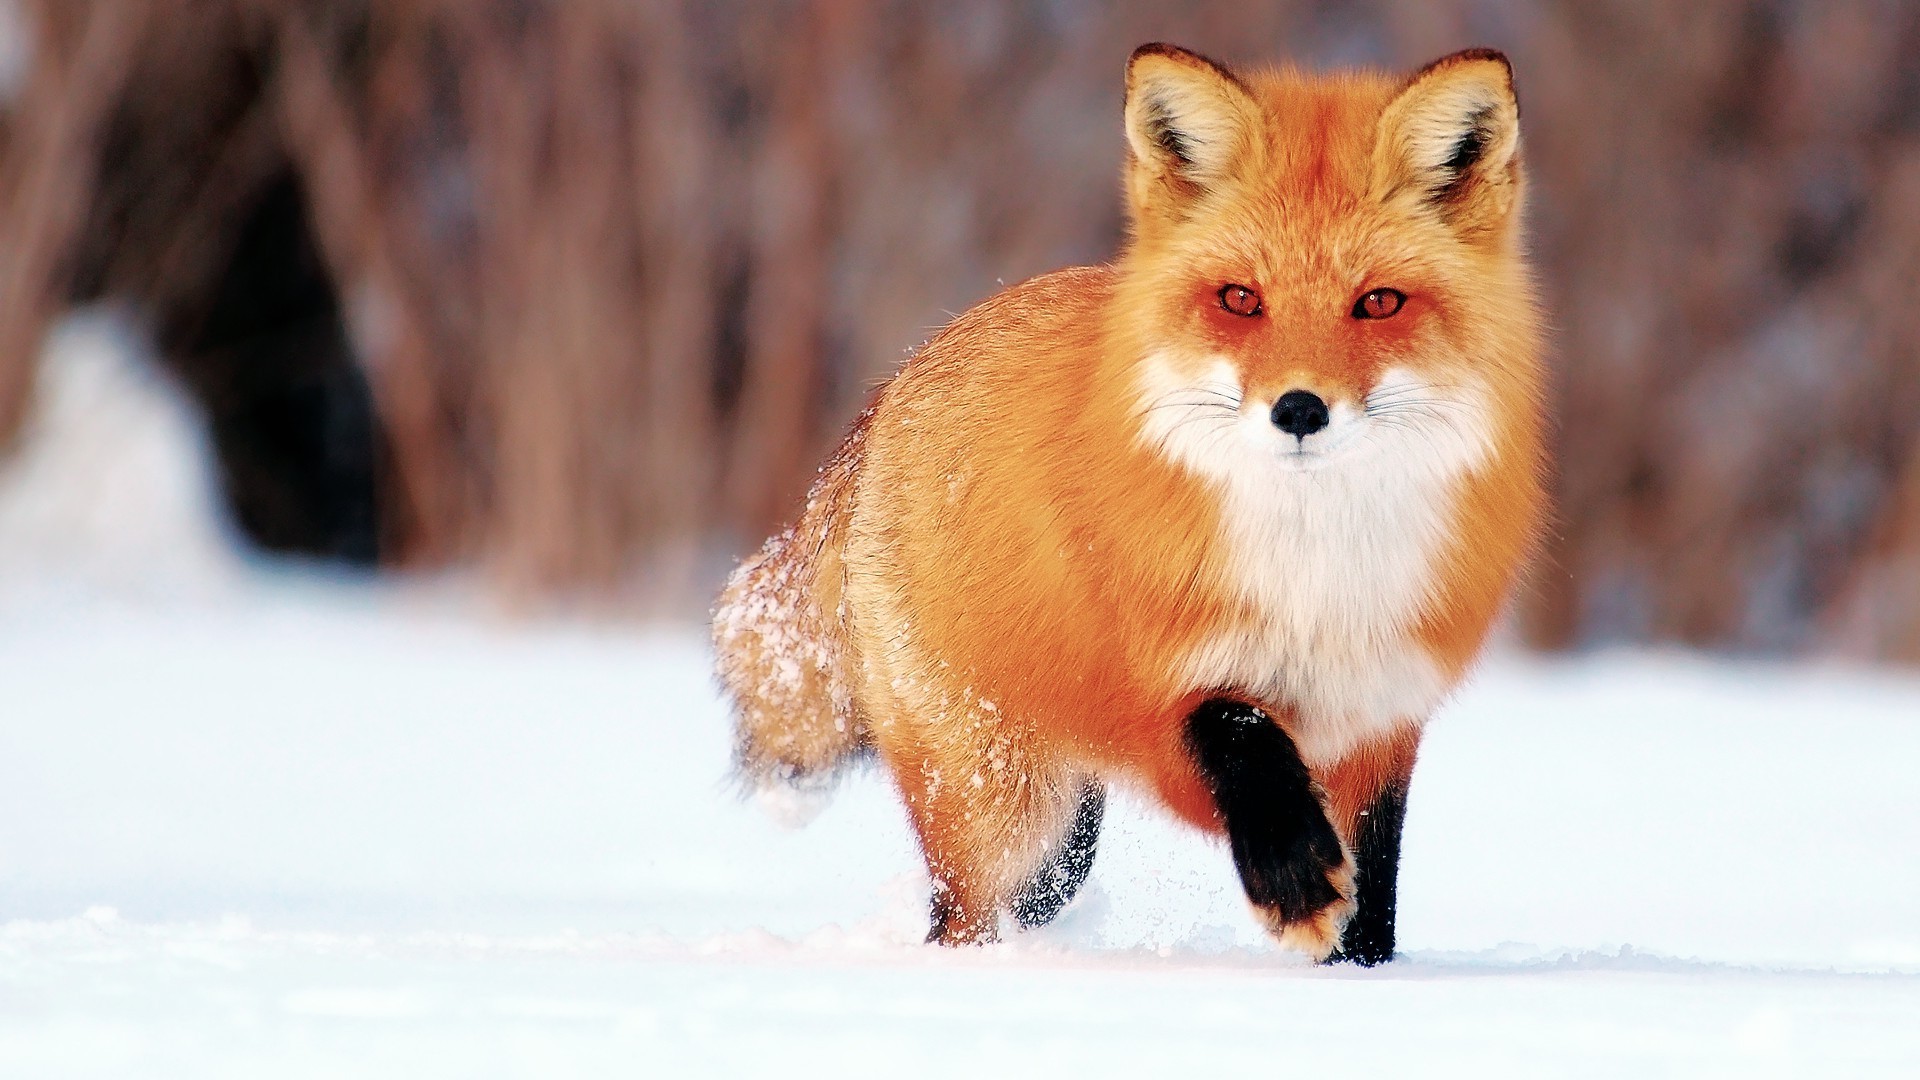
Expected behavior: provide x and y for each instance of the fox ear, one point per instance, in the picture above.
(1189, 120)
(1450, 140)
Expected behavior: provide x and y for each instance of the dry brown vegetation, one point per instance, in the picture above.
(616, 272)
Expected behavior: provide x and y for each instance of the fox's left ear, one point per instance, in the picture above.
(1450, 141)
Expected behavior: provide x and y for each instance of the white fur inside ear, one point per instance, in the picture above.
(1459, 125)
(1185, 121)
(1450, 137)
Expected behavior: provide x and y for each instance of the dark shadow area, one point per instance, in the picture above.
(291, 417)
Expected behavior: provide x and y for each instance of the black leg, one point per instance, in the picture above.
(1368, 939)
(1287, 852)
(944, 911)
(1052, 885)
(941, 912)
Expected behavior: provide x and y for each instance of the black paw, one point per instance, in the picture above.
(1292, 862)
(1296, 872)
(950, 926)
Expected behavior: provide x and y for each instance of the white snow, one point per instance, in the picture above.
(299, 826)
(109, 487)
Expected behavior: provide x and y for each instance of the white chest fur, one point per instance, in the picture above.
(1332, 546)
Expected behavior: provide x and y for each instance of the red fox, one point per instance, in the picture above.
(1225, 520)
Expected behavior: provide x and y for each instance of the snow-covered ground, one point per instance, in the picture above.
(259, 822)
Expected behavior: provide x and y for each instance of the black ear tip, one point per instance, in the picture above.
(1482, 53)
(1470, 56)
(1159, 48)
(1184, 57)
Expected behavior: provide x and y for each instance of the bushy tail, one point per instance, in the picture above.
(783, 650)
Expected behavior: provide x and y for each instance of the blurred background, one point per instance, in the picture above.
(575, 295)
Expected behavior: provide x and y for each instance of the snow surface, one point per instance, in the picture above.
(256, 821)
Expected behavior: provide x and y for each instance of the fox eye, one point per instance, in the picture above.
(1379, 304)
(1240, 300)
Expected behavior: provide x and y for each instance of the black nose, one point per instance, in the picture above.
(1299, 413)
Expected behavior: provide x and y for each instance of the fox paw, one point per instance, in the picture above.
(1297, 873)
(1317, 902)
(954, 924)
(1301, 886)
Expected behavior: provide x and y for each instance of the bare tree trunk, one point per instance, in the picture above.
(83, 57)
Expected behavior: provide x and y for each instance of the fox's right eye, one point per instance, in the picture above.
(1240, 300)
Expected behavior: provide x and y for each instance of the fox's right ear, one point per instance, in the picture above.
(1189, 122)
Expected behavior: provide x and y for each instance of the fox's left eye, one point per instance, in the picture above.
(1379, 304)
(1240, 300)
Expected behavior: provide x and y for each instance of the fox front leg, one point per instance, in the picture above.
(1368, 938)
(1295, 869)
(1366, 795)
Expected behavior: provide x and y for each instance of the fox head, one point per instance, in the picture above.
(1328, 266)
